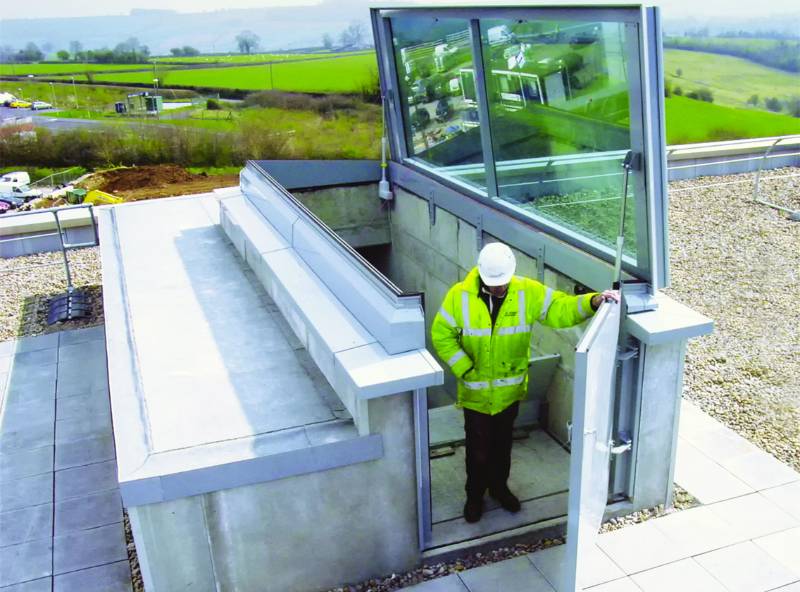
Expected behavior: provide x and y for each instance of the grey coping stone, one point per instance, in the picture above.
(25, 436)
(84, 452)
(81, 428)
(77, 406)
(26, 561)
(25, 344)
(28, 491)
(449, 583)
(26, 524)
(40, 585)
(511, 575)
(89, 548)
(91, 511)
(84, 480)
(81, 335)
(113, 577)
(27, 463)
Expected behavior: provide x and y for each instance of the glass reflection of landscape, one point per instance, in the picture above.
(437, 88)
(558, 97)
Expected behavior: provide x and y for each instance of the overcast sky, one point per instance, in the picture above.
(12, 9)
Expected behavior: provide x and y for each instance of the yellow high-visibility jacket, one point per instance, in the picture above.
(491, 364)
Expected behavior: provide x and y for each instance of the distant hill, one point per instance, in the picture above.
(278, 27)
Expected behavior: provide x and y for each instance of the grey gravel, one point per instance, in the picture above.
(28, 283)
(738, 262)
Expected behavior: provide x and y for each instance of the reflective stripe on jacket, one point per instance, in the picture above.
(491, 364)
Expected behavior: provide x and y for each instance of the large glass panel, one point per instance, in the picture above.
(437, 92)
(559, 94)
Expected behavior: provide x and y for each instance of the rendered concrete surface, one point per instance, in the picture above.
(210, 389)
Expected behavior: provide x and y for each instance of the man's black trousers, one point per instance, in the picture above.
(489, 439)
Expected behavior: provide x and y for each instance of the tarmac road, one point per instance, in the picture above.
(40, 119)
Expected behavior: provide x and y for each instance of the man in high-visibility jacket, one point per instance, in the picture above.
(483, 333)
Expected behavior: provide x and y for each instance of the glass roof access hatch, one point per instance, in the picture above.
(533, 111)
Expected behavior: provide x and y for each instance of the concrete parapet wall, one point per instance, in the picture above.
(300, 534)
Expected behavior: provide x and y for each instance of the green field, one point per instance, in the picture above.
(246, 59)
(776, 53)
(66, 68)
(334, 75)
(732, 80)
(690, 121)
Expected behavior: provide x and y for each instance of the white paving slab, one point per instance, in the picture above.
(705, 479)
(785, 547)
(622, 585)
(745, 568)
(786, 497)
(640, 547)
(685, 575)
(512, 575)
(698, 530)
(754, 516)
(600, 568)
(759, 469)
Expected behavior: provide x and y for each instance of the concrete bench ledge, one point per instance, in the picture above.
(352, 360)
(246, 461)
(670, 322)
(208, 391)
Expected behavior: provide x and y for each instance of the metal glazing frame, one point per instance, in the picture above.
(646, 122)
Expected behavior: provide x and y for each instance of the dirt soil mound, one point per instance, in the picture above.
(146, 182)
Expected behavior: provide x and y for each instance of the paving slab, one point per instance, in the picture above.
(786, 497)
(25, 344)
(790, 588)
(77, 406)
(449, 583)
(20, 437)
(699, 530)
(26, 524)
(26, 463)
(705, 479)
(40, 585)
(599, 567)
(685, 575)
(82, 335)
(89, 548)
(26, 561)
(623, 585)
(785, 547)
(28, 491)
(745, 568)
(90, 425)
(42, 357)
(760, 470)
(91, 511)
(512, 575)
(19, 412)
(640, 547)
(113, 577)
(81, 481)
(84, 452)
(754, 516)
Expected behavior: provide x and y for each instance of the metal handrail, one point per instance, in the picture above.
(793, 214)
(65, 246)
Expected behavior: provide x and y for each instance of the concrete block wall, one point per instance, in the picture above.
(303, 533)
(354, 212)
(431, 258)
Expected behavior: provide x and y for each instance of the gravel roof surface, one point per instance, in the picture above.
(27, 284)
(738, 262)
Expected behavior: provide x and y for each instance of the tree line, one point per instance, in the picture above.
(782, 54)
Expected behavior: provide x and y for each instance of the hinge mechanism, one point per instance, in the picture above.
(624, 444)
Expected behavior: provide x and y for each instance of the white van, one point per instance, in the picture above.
(16, 178)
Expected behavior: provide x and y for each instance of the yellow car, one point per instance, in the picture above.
(18, 104)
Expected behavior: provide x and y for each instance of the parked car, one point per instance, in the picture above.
(40, 105)
(19, 104)
(4, 206)
(9, 202)
(15, 178)
(23, 193)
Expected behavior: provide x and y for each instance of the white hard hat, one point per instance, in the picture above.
(496, 264)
